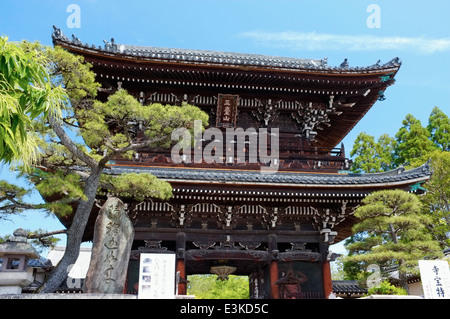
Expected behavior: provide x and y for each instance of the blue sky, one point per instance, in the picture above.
(416, 31)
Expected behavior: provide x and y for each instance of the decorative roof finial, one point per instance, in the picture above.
(344, 64)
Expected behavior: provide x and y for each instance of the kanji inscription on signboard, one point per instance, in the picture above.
(227, 110)
(435, 276)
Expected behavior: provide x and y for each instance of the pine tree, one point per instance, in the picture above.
(393, 233)
(76, 147)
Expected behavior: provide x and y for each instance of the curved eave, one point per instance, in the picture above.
(393, 179)
(303, 185)
(389, 68)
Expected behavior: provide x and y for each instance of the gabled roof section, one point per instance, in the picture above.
(190, 56)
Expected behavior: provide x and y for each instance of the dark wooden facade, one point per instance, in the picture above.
(275, 228)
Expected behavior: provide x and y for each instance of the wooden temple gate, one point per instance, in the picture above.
(228, 216)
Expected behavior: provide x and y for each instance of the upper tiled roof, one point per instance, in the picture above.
(398, 176)
(221, 58)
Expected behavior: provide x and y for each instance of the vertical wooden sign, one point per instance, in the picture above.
(227, 105)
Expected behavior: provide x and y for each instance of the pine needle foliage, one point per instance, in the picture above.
(394, 233)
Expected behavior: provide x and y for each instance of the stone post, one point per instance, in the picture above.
(113, 237)
(15, 273)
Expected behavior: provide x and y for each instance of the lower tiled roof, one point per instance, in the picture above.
(397, 176)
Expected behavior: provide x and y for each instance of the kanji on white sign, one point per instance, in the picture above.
(435, 276)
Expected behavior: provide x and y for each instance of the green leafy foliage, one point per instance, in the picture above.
(393, 232)
(413, 141)
(41, 240)
(26, 93)
(138, 186)
(386, 288)
(371, 156)
(73, 74)
(411, 146)
(209, 287)
(439, 128)
(113, 124)
(12, 199)
(437, 198)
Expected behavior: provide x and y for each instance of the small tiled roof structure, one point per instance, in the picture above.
(348, 289)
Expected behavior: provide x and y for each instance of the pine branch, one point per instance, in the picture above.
(47, 234)
(71, 146)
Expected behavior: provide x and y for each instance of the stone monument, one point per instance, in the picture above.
(113, 236)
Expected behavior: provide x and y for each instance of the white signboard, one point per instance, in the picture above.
(435, 276)
(157, 276)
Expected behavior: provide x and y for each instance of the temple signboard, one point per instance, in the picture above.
(227, 105)
(435, 277)
(156, 276)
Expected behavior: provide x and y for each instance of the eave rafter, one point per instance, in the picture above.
(235, 79)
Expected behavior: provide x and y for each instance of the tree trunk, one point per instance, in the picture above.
(393, 234)
(403, 277)
(401, 274)
(74, 234)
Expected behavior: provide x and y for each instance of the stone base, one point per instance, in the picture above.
(11, 282)
(10, 290)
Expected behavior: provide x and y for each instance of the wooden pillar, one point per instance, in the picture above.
(273, 267)
(327, 282)
(326, 270)
(181, 263)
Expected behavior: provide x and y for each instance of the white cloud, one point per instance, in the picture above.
(322, 41)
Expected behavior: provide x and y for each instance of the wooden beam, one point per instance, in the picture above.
(218, 235)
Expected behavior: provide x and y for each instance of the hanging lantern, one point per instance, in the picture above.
(223, 271)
